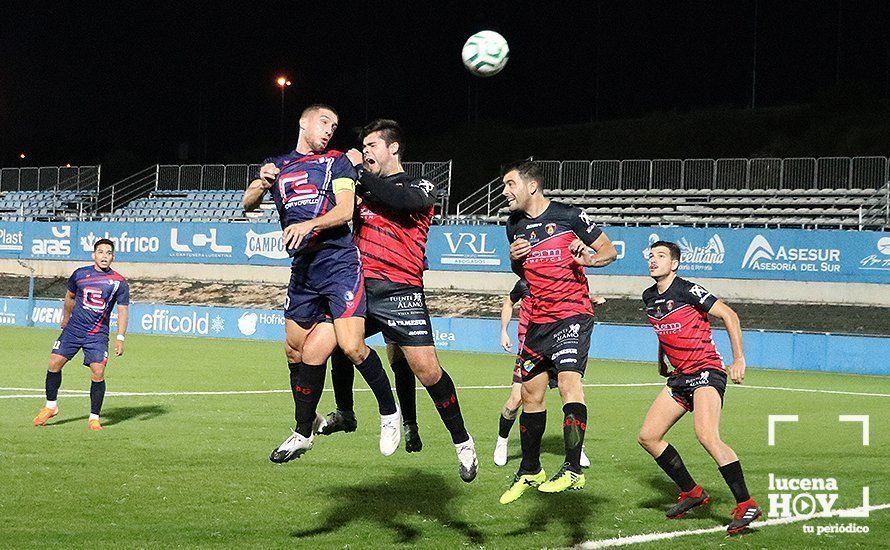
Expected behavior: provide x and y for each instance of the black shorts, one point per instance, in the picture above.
(682, 386)
(556, 347)
(399, 312)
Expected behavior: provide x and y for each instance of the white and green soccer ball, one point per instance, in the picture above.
(485, 53)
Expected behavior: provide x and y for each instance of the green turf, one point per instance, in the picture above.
(193, 470)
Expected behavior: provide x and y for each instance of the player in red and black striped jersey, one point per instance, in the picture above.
(549, 249)
(391, 232)
(678, 310)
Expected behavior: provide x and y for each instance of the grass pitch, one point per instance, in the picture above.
(180, 469)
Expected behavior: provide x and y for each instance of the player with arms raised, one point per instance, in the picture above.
(549, 249)
(314, 192)
(93, 291)
(391, 231)
(678, 311)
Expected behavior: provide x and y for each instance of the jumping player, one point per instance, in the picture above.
(549, 249)
(391, 231)
(678, 311)
(314, 192)
(514, 401)
(93, 291)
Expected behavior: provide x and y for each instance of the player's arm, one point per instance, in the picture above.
(253, 195)
(67, 308)
(590, 236)
(734, 329)
(408, 198)
(339, 215)
(663, 368)
(506, 315)
(123, 315)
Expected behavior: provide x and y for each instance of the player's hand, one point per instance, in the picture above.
(737, 370)
(118, 348)
(580, 252)
(355, 157)
(519, 249)
(63, 324)
(268, 173)
(294, 234)
(505, 342)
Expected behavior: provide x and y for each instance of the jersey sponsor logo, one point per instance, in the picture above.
(667, 328)
(425, 185)
(93, 299)
(418, 332)
(566, 351)
(122, 243)
(59, 245)
(267, 245)
(469, 248)
(11, 241)
(587, 221)
(547, 255)
(569, 333)
(186, 247)
(550, 228)
(761, 256)
(875, 261)
(699, 293)
(406, 322)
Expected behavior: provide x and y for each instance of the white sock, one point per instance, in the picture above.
(51, 405)
(94, 416)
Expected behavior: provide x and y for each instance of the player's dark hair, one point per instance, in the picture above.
(528, 170)
(318, 107)
(673, 247)
(109, 242)
(390, 132)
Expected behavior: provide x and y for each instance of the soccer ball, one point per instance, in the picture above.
(485, 53)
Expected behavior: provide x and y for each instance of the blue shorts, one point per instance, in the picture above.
(95, 350)
(326, 283)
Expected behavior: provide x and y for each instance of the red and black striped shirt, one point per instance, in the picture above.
(392, 233)
(557, 283)
(680, 319)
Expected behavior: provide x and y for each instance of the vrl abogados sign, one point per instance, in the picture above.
(470, 248)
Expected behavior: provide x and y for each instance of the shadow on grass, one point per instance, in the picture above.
(391, 502)
(117, 415)
(571, 509)
(667, 491)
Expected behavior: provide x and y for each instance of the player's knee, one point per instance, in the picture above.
(570, 387)
(428, 374)
(357, 352)
(647, 440)
(293, 356)
(708, 439)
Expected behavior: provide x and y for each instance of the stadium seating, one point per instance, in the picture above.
(185, 206)
(822, 208)
(44, 205)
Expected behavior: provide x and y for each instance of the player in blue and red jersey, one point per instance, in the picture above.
(678, 311)
(549, 249)
(93, 291)
(391, 231)
(314, 192)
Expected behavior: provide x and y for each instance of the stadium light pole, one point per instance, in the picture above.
(283, 83)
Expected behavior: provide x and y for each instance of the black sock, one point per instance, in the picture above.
(673, 466)
(445, 398)
(531, 431)
(294, 369)
(573, 428)
(97, 396)
(506, 424)
(307, 394)
(53, 383)
(734, 477)
(372, 371)
(405, 389)
(342, 376)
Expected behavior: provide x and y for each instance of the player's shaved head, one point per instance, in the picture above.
(317, 107)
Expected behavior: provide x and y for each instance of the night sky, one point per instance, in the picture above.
(180, 82)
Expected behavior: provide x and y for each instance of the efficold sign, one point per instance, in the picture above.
(763, 256)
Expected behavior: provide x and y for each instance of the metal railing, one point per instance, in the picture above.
(875, 213)
(723, 173)
(58, 183)
(233, 177)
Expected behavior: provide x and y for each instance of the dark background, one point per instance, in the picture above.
(128, 85)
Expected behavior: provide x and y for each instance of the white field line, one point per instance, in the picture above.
(82, 393)
(651, 537)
